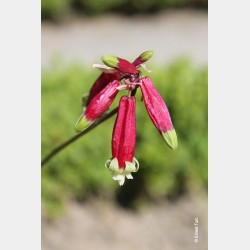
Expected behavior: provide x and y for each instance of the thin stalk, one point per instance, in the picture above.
(59, 148)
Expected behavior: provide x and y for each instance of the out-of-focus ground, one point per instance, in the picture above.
(99, 225)
(170, 34)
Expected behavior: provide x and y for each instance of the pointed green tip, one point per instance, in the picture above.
(170, 138)
(111, 61)
(145, 56)
(82, 123)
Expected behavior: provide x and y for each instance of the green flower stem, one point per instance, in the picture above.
(58, 149)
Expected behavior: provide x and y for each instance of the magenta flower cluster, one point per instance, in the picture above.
(117, 75)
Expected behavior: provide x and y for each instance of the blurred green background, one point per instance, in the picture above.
(78, 172)
(58, 9)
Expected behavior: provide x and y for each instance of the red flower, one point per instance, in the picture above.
(123, 161)
(98, 105)
(158, 112)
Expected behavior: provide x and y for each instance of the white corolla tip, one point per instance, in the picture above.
(129, 176)
(121, 174)
(121, 178)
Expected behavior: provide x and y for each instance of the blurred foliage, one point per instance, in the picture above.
(57, 9)
(78, 171)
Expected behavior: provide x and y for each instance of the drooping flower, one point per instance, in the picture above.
(98, 105)
(123, 161)
(158, 112)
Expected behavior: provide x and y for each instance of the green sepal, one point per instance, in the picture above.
(145, 56)
(170, 138)
(111, 61)
(82, 123)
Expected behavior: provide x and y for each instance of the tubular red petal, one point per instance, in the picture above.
(124, 132)
(145, 56)
(156, 107)
(102, 81)
(125, 66)
(100, 103)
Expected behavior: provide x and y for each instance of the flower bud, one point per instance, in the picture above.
(158, 112)
(145, 56)
(123, 161)
(120, 64)
(97, 106)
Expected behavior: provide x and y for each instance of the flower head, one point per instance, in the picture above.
(117, 75)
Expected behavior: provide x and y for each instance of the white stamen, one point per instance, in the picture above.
(122, 87)
(144, 67)
(105, 68)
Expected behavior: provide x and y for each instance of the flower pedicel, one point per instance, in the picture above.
(117, 75)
